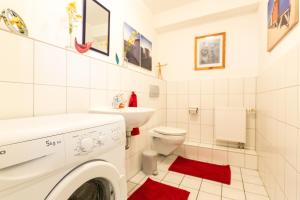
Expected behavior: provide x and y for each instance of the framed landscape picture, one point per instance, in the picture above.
(210, 51)
(132, 47)
(283, 15)
(146, 50)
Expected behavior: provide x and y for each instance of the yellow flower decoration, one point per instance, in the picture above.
(73, 15)
(78, 17)
(72, 7)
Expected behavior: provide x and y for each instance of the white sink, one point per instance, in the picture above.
(134, 117)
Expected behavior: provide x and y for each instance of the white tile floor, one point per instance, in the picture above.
(245, 184)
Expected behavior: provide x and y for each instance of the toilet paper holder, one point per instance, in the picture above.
(251, 110)
(193, 110)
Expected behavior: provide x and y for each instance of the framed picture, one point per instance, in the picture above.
(210, 51)
(146, 50)
(132, 45)
(283, 15)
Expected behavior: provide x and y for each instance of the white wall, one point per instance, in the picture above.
(177, 49)
(207, 95)
(201, 10)
(290, 40)
(47, 21)
(278, 113)
(278, 127)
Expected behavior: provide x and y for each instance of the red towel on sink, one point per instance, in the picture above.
(133, 103)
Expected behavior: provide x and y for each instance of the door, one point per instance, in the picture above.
(93, 180)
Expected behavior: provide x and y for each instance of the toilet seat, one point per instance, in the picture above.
(165, 140)
(169, 131)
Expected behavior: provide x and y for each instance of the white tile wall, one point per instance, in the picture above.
(98, 75)
(16, 58)
(236, 86)
(50, 65)
(206, 95)
(42, 95)
(221, 86)
(236, 159)
(78, 99)
(219, 155)
(298, 187)
(114, 79)
(278, 126)
(207, 86)
(97, 98)
(40, 79)
(221, 100)
(194, 87)
(16, 100)
(78, 70)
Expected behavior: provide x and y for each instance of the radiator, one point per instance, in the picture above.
(230, 124)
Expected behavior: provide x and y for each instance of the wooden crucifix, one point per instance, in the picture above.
(159, 72)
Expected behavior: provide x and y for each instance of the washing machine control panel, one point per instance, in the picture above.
(31, 148)
(86, 144)
(94, 141)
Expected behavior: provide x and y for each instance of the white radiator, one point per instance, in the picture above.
(230, 124)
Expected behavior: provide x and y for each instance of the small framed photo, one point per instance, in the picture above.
(210, 51)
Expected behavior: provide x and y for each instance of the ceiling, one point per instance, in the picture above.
(157, 6)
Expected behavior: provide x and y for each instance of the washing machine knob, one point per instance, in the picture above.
(100, 140)
(86, 144)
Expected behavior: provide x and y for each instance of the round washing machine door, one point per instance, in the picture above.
(93, 180)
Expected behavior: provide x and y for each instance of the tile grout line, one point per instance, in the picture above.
(182, 179)
(33, 82)
(66, 89)
(199, 189)
(164, 176)
(243, 183)
(221, 191)
(90, 83)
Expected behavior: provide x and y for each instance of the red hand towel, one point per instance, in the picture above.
(133, 103)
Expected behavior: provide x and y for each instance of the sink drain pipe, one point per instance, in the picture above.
(128, 139)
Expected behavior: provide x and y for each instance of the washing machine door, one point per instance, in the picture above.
(93, 180)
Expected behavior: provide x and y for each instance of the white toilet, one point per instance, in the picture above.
(167, 139)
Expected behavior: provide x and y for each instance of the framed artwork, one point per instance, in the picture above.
(132, 46)
(283, 15)
(210, 51)
(146, 50)
(137, 48)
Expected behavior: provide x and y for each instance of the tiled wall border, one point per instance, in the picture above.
(219, 155)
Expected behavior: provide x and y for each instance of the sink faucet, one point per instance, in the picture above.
(118, 101)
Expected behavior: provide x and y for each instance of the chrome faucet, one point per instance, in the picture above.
(119, 101)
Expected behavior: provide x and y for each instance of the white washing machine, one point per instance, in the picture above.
(63, 157)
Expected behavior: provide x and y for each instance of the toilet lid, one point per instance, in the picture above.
(169, 130)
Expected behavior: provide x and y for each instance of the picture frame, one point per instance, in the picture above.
(98, 30)
(210, 51)
(282, 16)
(132, 45)
(137, 49)
(146, 53)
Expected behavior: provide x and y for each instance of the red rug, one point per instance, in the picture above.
(219, 173)
(152, 190)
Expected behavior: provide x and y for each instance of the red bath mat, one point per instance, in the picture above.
(152, 190)
(219, 173)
